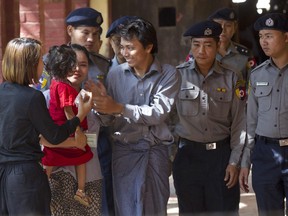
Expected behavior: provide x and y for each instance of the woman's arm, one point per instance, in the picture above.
(68, 143)
(79, 141)
(43, 123)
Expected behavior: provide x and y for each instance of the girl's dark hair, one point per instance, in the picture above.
(143, 30)
(78, 47)
(60, 61)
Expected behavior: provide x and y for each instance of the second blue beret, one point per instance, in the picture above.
(205, 28)
(276, 21)
(84, 16)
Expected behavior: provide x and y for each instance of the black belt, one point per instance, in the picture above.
(208, 146)
(280, 141)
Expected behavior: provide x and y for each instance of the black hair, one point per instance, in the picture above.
(100, 30)
(60, 61)
(143, 30)
(77, 47)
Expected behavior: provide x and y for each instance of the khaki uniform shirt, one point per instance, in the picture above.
(209, 109)
(98, 67)
(267, 108)
(239, 59)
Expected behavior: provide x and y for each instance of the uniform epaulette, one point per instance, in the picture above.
(184, 65)
(242, 49)
(261, 65)
(225, 66)
(100, 56)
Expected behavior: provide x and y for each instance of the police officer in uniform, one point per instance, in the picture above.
(211, 129)
(231, 53)
(267, 119)
(83, 27)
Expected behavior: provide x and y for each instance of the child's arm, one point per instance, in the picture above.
(79, 133)
(69, 112)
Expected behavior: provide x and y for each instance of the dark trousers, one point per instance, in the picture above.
(141, 178)
(270, 176)
(104, 149)
(24, 189)
(199, 181)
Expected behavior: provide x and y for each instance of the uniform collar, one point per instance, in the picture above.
(215, 68)
(270, 62)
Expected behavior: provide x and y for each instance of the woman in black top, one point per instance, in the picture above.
(24, 188)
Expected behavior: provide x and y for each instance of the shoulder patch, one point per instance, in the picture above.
(44, 81)
(225, 65)
(240, 89)
(97, 55)
(251, 63)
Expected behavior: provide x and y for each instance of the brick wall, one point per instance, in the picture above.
(55, 13)
(40, 19)
(45, 19)
(55, 29)
(9, 24)
(29, 19)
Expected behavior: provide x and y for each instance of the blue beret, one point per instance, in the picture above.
(84, 16)
(118, 23)
(225, 14)
(276, 21)
(205, 28)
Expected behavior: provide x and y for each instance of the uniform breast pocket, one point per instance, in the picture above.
(263, 94)
(189, 102)
(220, 103)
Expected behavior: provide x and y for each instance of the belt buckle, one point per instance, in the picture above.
(211, 146)
(283, 142)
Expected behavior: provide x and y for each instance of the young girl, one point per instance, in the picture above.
(60, 64)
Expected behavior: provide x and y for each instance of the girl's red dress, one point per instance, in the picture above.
(63, 94)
